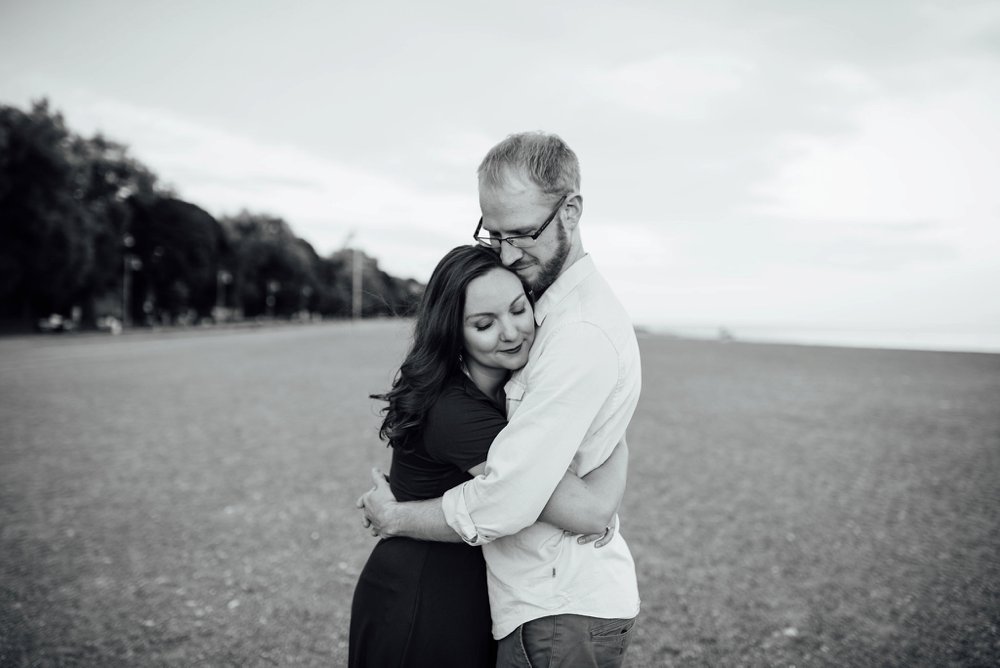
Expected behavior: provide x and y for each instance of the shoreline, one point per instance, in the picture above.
(721, 335)
(828, 338)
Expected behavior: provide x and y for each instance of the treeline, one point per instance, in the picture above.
(88, 232)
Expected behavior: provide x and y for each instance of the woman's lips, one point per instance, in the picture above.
(513, 351)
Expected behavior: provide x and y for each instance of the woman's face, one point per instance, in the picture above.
(499, 325)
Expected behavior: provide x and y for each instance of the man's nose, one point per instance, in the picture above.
(509, 254)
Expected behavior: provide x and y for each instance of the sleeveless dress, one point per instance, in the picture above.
(423, 603)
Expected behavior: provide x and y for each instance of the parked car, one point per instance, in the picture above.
(55, 323)
(110, 324)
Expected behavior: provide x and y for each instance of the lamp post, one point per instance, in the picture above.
(272, 288)
(130, 263)
(305, 293)
(222, 279)
(356, 277)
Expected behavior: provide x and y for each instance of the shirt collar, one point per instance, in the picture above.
(563, 286)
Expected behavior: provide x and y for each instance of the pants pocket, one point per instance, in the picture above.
(612, 630)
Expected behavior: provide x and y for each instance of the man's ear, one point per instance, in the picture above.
(571, 211)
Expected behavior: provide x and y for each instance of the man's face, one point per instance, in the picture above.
(520, 207)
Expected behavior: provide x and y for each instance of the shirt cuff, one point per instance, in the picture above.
(456, 514)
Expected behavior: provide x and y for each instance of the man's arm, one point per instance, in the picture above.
(386, 517)
(569, 382)
(458, 430)
(584, 505)
(588, 505)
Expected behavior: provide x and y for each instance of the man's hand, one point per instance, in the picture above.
(377, 505)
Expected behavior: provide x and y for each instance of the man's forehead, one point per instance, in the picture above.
(511, 201)
(513, 205)
(509, 220)
(514, 184)
(512, 179)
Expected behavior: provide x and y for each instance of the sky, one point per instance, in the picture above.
(810, 171)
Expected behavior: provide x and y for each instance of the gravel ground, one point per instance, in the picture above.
(186, 499)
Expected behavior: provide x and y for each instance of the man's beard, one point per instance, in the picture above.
(549, 272)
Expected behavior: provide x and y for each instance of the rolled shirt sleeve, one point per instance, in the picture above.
(567, 384)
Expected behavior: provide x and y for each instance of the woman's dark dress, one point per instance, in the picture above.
(422, 603)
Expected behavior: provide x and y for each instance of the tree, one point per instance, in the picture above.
(75, 211)
(63, 214)
(46, 234)
(273, 270)
(381, 294)
(179, 246)
(110, 182)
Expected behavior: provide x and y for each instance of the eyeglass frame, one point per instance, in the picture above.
(514, 238)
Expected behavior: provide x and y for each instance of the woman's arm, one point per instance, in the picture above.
(586, 505)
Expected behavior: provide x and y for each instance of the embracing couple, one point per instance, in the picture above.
(507, 421)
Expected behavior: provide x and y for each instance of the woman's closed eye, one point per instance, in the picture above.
(483, 326)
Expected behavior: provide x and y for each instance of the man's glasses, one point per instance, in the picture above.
(518, 240)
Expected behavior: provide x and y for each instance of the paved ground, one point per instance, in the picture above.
(185, 498)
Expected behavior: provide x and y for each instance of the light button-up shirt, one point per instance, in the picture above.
(567, 410)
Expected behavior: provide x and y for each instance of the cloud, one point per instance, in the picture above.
(927, 156)
(676, 85)
(817, 163)
(848, 79)
(407, 227)
(889, 253)
(460, 149)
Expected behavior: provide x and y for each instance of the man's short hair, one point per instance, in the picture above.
(542, 157)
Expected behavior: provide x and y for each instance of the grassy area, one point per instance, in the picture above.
(187, 499)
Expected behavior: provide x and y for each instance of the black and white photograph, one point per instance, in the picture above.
(529, 334)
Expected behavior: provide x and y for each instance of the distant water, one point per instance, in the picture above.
(942, 339)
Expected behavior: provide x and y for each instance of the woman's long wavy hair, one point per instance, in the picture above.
(438, 342)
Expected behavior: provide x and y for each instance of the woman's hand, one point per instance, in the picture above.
(603, 538)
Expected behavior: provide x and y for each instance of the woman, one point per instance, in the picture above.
(421, 603)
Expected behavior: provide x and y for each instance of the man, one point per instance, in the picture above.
(554, 601)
